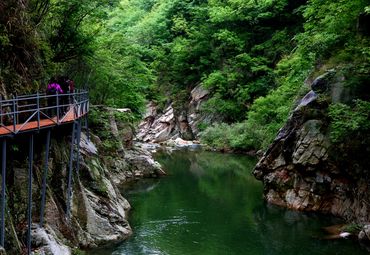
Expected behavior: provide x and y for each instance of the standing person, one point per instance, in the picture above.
(62, 80)
(53, 88)
(71, 84)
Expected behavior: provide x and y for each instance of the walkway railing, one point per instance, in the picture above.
(31, 113)
(37, 111)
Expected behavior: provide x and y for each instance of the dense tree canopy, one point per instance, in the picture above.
(253, 55)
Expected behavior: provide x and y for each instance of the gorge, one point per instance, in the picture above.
(283, 80)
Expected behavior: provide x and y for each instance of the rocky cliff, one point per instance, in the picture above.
(304, 169)
(175, 122)
(98, 209)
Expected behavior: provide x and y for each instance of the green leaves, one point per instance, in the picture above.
(348, 122)
(253, 55)
(328, 24)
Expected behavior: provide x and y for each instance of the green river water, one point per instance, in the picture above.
(210, 204)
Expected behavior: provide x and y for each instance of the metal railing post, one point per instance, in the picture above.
(38, 110)
(85, 105)
(29, 213)
(14, 116)
(87, 127)
(43, 193)
(58, 108)
(1, 109)
(16, 106)
(75, 108)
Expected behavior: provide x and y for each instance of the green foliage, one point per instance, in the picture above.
(352, 228)
(168, 47)
(253, 56)
(329, 24)
(78, 252)
(43, 38)
(217, 136)
(267, 114)
(100, 124)
(348, 122)
(321, 39)
(239, 136)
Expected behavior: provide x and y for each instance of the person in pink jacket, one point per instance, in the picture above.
(52, 90)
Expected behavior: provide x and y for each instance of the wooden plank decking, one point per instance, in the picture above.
(34, 125)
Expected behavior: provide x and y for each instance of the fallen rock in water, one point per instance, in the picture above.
(124, 110)
(179, 143)
(141, 160)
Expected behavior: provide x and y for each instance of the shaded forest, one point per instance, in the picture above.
(255, 56)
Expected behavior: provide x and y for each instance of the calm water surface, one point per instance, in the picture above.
(210, 204)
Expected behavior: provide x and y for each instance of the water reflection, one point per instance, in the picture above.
(211, 204)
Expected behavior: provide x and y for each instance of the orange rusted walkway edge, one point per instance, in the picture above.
(34, 125)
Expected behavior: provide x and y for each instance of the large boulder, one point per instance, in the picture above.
(142, 163)
(303, 170)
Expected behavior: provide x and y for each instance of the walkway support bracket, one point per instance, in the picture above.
(3, 190)
(69, 187)
(29, 214)
(44, 178)
(78, 146)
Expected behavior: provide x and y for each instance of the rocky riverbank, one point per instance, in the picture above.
(98, 209)
(304, 169)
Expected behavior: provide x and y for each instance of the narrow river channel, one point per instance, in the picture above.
(210, 204)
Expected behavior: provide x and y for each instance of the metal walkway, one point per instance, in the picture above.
(34, 112)
(29, 114)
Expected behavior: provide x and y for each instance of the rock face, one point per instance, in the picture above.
(157, 128)
(98, 209)
(47, 242)
(302, 170)
(129, 160)
(174, 123)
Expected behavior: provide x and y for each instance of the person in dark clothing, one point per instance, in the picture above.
(64, 99)
(71, 84)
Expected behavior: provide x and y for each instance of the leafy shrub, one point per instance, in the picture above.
(238, 136)
(347, 121)
(217, 136)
